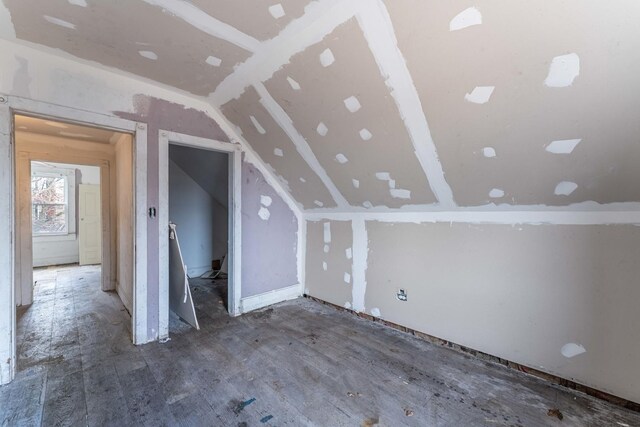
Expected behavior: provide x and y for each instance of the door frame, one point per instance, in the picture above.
(166, 138)
(9, 106)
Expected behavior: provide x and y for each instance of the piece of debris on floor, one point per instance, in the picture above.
(408, 412)
(352, 394)
(239, 407)
(266, 419)
(370, 422)
(555, 412)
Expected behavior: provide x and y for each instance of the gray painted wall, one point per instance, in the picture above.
(269, 246)
(202, 222)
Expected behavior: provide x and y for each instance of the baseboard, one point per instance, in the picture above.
(269, 298)
(488, 357)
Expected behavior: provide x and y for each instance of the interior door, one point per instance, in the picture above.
(89, 233)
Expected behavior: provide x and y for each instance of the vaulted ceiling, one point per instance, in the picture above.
(418, 104)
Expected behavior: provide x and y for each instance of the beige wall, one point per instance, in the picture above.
(520, 292)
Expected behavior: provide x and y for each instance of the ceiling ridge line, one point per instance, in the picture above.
(207, 23)
(302, 146)
(375, 23)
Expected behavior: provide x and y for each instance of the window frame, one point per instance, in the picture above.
(70, 195)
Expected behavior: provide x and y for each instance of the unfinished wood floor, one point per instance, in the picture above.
(298, 363)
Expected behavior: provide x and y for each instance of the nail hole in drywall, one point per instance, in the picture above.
(563, 70)
(148, 54)
(480, 94)
(265, 201)
(402, 295)
(302, 179)
(341, 158)
(356, 183)
(565, 188)
(347, 304)
(59, 22)
(365, 135)
(347, 278)
(496, 193)
(324, 265)
(489, 152)
(278, 152)
(326, 249)
(294, 84)
(213, 61)
(318, 203)
(82, 3)
(399, 193)
(322, 129)
(348, 253)
(466, 18)
(571, 349)
(277, 11)
(327, 58)
(562, 146)
(264, 213)
(367, 204)
(257, 125)
(326, 232)
(352, 104)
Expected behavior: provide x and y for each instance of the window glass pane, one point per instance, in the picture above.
(46, 189)
(49, 218)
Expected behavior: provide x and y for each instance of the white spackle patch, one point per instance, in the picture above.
(326, 228)
(82, 3)
(375, 312)
(563, 146)
(213, 61)
(356, 183)
(347, 304)
(322, 129)
(367, 204)
(265, 201)
(466, 18)
(399, 193)
(148, 54)
(565, 188)
(277, 11)
(278, 152)
(480, 94)
(327, 58)
(341, 158)
(563, 70)
(324, 265)
(257, 125)
(326, 249)
(318, 203)
(365, 134)
(572, 350)
(294, 84)
(352, 104)
(496, 193)
(348, 253)
(489, 152)
(302, 179)
(383, 176)
(264, 213)
(392, 183)
(347, 278)
(59, 22)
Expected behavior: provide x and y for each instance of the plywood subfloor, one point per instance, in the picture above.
(297, 363)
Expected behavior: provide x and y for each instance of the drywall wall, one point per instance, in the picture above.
(269, 236)
(532, 294)
(124, 220)
(201, 221)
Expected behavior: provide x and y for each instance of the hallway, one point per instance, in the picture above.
(298, 363)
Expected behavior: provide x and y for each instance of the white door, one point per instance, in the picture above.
(90, 234)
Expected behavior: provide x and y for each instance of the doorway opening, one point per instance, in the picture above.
(74, 258)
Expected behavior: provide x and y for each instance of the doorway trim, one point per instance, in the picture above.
(9, 106)
(166, 138)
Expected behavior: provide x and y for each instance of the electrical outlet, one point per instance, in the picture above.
(401, 295)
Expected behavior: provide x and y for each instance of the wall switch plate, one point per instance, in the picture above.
(401, 295)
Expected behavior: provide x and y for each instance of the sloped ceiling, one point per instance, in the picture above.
(402, 104)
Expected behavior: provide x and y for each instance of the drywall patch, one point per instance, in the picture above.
(365, 135)
(277, 11)
(341, 158)
(563, 146)
(400, 193)
(326, 249)
(278, 152)
(324, 265)
(326, 232)
(318, 203)
(480, 94)
(257, 125)
(571, 349)
(59, 22)
(375, 311)
(496, 193)
(294, 84)
(265, 200)
(347, 278)
(213, 61)
(148, 54)
(264, 213)
(327, 58)
(322, 129)
(356, 183)
(352, 104)
(348, 253)
(565, 188)
(489, 152)
(466, 18)
(563, 70)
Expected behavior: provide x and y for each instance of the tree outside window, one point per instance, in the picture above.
(49, 204)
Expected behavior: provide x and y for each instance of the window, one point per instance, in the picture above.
(49, 203)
